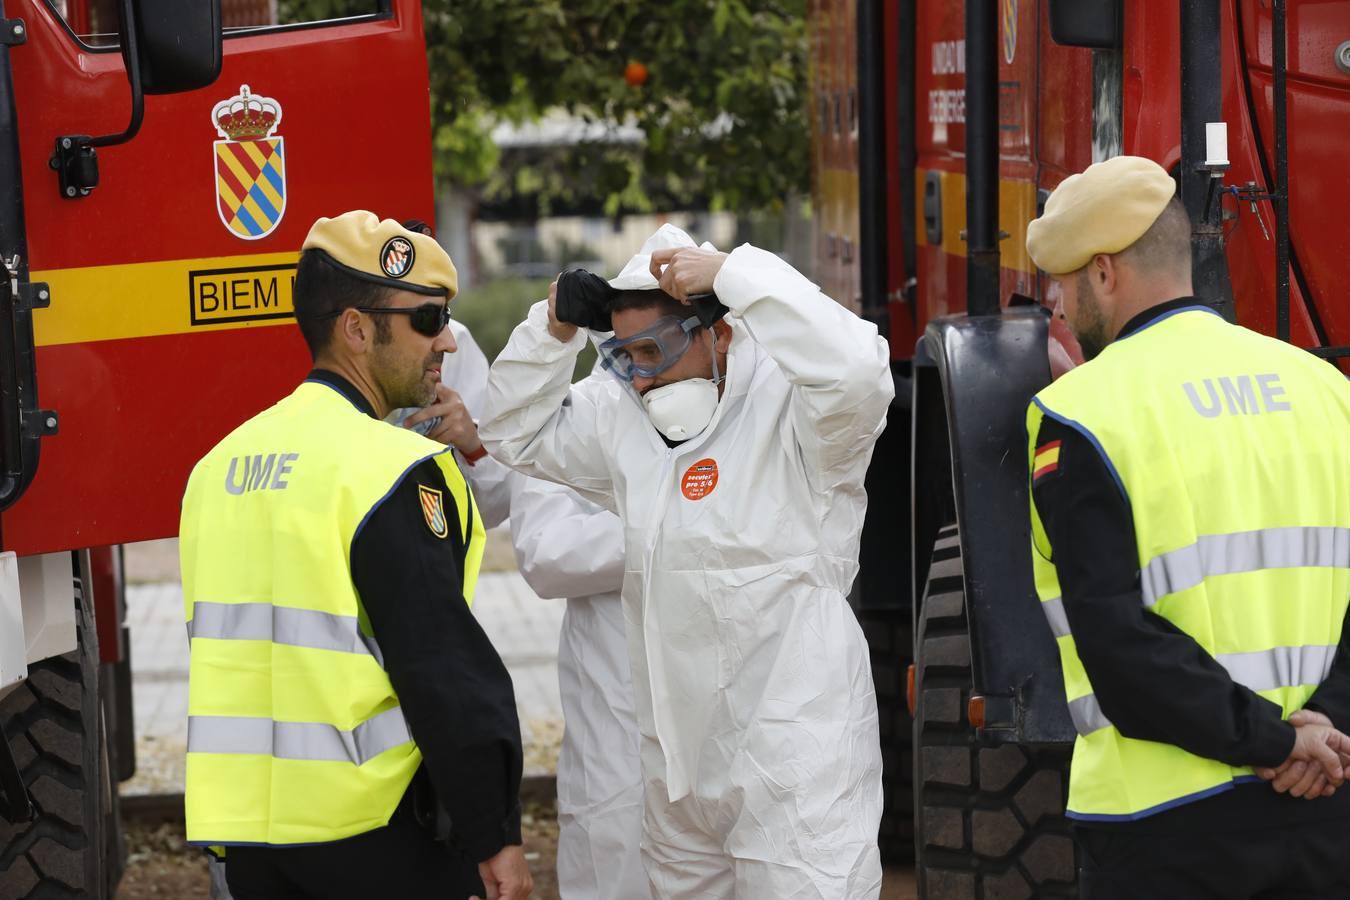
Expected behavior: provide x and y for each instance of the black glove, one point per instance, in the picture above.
(583, 299)
(708, 308)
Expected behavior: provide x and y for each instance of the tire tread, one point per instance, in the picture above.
(52, 721)
(1008, 799)
(890, 643)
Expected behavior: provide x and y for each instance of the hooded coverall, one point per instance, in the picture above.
(756, 711)
(569, 547)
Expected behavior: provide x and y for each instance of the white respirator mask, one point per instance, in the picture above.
(683, 409)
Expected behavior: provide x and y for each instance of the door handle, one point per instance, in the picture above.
(932, 206)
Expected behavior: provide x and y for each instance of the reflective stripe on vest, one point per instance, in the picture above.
(298, 740)
(281, 625)
(1241, 514)
(1227, 554)
(296, 735)
(1244, 551)
(1260, 670)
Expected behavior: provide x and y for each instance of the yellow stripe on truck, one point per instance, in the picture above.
(181, 296)
(1016, 208)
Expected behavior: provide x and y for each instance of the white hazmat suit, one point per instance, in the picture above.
(570, 548)
(756, 710)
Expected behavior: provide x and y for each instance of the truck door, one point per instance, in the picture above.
(1318, 92)
(171, 317)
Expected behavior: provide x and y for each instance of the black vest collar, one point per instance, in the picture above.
(343, 387)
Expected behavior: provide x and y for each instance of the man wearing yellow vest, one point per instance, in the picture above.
(1191, 542)
(351, 730)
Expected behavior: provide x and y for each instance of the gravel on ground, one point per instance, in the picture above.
(161, 865)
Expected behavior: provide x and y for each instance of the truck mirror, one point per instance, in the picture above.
(168, 46)
(1085, 23)
(178, 44)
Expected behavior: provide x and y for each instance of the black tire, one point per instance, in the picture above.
(989, 819)
(54, 724)
(890, 639)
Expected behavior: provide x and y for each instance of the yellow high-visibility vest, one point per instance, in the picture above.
(1232, 451)
(295, 735)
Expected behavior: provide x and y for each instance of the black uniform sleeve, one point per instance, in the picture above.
(1151, 679)
(454, 689)
(1332, 697)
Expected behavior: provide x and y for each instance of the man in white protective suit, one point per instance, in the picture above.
(734, 451)
(570, 548)
(566, 548)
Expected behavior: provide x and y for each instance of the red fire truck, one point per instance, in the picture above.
(144, 313)
(940, 128)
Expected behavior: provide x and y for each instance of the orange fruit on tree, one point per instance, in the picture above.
(635, 73)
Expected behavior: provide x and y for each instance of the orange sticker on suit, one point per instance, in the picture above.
(699, 479)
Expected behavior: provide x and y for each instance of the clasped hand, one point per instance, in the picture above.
(1316, 766)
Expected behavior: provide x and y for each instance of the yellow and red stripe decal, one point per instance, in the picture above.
(180, 296)
(1046, 460)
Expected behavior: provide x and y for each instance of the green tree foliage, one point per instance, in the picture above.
(723, 108)
(493, 309)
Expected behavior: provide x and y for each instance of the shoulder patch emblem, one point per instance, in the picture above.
(1046, 461)
(433, 510)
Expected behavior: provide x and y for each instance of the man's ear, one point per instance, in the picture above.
(721, 336)
(355, 332)
(1104, 272)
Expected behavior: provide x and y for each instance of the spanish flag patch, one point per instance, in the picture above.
(1046, 460)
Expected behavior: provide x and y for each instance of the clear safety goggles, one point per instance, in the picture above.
(651, 351)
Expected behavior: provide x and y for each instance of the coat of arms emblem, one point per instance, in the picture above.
(250, 165)
(433, 510)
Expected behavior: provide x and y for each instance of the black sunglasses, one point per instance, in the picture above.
(429, 319)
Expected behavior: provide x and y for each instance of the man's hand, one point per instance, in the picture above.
(506, 876)
(684, 272)
(1295, 775)
(1316, 765)
(456, 426)
(563, 331)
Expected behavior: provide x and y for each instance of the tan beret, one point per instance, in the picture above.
(386, 253)
(1104, 210)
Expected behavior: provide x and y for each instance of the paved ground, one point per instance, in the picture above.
(523, 628)
(161, 866)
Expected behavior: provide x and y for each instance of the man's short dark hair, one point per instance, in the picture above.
(322, 291)
(654, 298)
(1166, 246)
